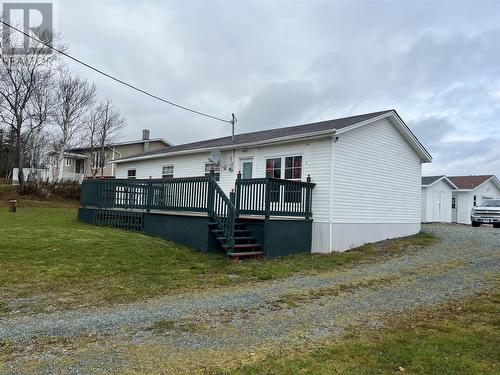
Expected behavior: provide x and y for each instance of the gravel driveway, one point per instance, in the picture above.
(288, 312)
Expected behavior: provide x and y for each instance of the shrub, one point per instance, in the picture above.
(69, 190)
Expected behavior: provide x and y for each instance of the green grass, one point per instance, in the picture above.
(46, 253)
(456, 339)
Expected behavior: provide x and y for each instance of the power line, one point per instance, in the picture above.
(114, 78)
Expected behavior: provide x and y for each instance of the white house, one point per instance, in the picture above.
(437, 199)
(367, 170)
(471, 191)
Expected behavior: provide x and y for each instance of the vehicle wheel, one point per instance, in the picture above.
(496, 225)
(476, 224)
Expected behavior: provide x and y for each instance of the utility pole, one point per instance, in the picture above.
(233, 121)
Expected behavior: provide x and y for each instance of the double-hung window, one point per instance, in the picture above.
(290, 167)
(96, 160)
(273, 167)
(67, 162)
(131, 173)
(293, 167)
(167, 171)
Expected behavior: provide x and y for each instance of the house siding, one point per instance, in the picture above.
(376, 186)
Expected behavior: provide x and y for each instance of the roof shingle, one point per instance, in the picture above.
(267, 134)
(469, 182)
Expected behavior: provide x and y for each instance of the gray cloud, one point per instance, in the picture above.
(278, 63)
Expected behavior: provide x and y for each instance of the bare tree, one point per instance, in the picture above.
(74, 98)
(93, 124)
(103, 125)
(42, 105)
(20, 75)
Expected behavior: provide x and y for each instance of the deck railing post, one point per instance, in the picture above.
(267, 209)
(308, 198)
(211, 192)
(149, 195)
(238, 195)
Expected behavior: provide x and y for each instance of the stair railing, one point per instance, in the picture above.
(222, 211)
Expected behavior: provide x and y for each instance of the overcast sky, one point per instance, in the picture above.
(276, 63)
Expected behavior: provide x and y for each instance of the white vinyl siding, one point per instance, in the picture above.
(376, 177)
(376, 186)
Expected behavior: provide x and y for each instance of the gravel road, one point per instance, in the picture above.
(297, 309)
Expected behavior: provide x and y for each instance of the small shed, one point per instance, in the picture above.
(437, 199)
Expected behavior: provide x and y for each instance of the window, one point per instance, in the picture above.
(475, 201)
(273, 167)
(293, 167)
(96, 160)
(131, 174)
(453, 203)
(216, 169)
(167, 171)
(67, 162)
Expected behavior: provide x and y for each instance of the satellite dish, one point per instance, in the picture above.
(215, 156)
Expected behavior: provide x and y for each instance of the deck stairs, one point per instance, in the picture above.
(245, 245)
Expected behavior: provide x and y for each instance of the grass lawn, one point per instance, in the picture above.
(48, 260)
(460, 338)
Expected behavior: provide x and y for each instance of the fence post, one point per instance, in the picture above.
(238, 195)
(267, 210)
(308, 198)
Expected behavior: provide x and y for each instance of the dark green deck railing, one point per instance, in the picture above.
(274, 197)
(193, 194)
(257, 196)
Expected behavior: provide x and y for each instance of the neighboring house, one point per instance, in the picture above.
(437, 199)
(367, 171)
(38, 173)
(471, 191)
(80, 163)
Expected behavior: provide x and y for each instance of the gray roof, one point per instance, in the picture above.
(267, 134)
(427, 180)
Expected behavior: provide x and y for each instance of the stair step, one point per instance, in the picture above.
(236, 238)
(246, 254)
(243, 246)
(240, 231)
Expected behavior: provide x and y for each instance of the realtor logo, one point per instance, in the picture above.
(34, 19)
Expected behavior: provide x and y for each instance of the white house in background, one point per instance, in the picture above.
(367, 170)
(437, 199)
(83, 162)
(471, 191)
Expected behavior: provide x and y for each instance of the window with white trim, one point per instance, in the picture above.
(131, 173)
(293, 167)
(290, 167)
(216, 169)
(167, 171)
(273, 167)
(96, 160)
(475, 201)
(67, 162)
